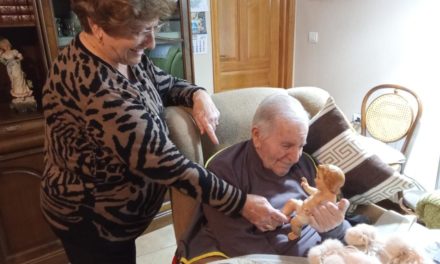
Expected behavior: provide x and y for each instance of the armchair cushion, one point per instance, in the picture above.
(332, 140)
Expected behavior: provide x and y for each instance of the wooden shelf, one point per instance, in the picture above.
(9, 116)
(164, 40)
(17, 25)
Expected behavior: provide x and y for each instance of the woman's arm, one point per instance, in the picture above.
(206, 114)
(139, 139)
(175, 91)
(172, 90)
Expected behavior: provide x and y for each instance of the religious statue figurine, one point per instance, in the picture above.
(23, 100)
(329, 180)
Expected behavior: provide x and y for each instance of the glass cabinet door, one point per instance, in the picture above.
(58, 25)
(65, 21)
(173, 50)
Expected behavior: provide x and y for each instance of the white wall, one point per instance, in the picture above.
(366, 43)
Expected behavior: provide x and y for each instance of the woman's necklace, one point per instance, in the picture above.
(93, 45)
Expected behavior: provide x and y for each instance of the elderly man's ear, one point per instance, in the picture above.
(256, 137)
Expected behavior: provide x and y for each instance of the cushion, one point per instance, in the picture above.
(388, 154)
(428, 209)
(332, 140)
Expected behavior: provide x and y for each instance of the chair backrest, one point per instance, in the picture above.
(237, 108)
(390, 113)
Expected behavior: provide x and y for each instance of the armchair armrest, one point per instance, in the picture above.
(186, 137)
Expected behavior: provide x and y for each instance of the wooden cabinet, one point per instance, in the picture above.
(25, 237)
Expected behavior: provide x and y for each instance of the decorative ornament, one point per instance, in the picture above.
(21, 88)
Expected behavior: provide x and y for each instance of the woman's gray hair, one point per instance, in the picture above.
(276, 107)
(120, 17)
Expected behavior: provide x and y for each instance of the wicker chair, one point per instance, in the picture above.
(390, 113)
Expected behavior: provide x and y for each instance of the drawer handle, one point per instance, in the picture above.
(12, 128)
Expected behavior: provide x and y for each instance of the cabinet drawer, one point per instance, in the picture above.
(16, 136)
(21, 128)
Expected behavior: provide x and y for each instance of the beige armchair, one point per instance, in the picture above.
(237, 108)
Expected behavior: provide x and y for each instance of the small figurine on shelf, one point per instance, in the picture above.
(329, 180)
(20, 87)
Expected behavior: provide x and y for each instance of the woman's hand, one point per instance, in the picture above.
(328, 215)
(206, 114)
(259, 212)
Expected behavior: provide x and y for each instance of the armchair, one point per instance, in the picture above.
(237, 109)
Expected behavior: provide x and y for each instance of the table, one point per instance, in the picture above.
(262, 259)
(388, 223)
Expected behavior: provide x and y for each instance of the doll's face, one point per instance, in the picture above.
(329, 177)
(4, 45)
(319, 181)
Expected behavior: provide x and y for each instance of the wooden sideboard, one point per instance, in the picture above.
(25, 237)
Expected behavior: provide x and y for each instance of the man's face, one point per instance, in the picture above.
(281, 147)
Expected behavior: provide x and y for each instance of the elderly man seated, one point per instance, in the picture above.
(270, 164)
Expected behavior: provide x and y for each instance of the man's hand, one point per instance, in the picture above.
(206, 114)
(259, 212)
(328, 215)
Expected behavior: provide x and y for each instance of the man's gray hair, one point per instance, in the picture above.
(279, 106)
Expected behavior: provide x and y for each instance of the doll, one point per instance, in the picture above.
(329, 180)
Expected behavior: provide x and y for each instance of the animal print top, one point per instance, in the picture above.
(108, 158)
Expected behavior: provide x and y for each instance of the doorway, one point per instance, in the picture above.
(252, 43)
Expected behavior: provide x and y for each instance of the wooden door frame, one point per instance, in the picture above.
(285, 45)
(215, 45)
(187, 53)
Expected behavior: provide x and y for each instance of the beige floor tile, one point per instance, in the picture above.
(155, 241)
(163, 256)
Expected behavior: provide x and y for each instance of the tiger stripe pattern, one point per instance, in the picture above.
(108, 157)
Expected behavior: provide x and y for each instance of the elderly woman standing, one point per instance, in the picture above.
(108, 156)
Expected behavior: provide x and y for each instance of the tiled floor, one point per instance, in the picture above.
(156, 247)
